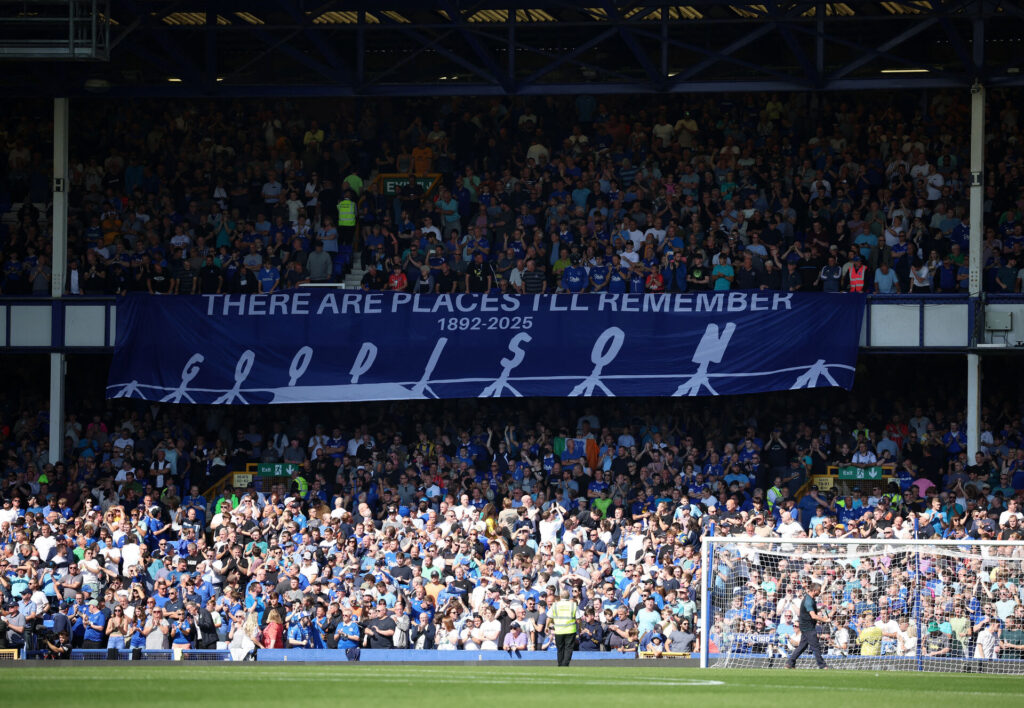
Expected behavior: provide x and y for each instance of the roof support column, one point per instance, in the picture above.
(977, 312)
(59, 227)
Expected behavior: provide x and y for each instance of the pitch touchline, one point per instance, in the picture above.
(792, 686)
(419, 677)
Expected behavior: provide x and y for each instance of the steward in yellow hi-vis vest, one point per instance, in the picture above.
(347, 219)
(562, 619)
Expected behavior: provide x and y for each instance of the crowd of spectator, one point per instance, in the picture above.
(791, 192)
(452, 525)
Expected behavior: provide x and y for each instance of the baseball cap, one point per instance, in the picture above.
(933, 626)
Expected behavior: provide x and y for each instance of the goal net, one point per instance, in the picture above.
(890, 605)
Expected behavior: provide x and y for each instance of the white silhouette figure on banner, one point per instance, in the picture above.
(809, 379)
(364, 360)
(129, 390)
(188, 373)
(300, 362)
(423, 385)
(501, 384)
(710, 351)
(242, 369)
(606, 348)
(355, 391)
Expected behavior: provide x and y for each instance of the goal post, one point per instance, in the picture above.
(891, 604)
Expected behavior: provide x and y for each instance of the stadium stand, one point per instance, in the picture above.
(441, 527)
(218, 197)
(398, 526)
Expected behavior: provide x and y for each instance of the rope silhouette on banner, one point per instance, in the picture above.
(422, 387)
(242, 369)
(600, 357)
(501, 384)
(710, 351)
(818, 370)
(129, 390)
(189, 372)
(300, 362)
(364, 360)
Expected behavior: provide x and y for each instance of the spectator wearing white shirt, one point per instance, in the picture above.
(630, 253)
(125, 440)
(987, 642)
(1012, 509)
(788, 527)
(316, 442)
(863, 457)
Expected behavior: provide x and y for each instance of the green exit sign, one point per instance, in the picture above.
(276, 469)
(390, 184)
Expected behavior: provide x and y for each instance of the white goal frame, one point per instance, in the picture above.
(709, 543)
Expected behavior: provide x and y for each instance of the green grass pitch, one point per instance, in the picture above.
(426, 686)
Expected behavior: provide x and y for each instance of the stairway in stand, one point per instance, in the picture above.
(355, 276)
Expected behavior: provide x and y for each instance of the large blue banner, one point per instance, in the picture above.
(308, 346)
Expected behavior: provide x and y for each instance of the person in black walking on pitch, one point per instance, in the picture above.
(809, 618)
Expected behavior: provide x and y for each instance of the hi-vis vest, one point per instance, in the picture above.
(773, 497)
(346, 213)
(563, 616)
(857, 279)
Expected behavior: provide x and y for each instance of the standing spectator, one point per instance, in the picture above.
(886, 282)
(830, 276)
(319, 264)
(722, 274)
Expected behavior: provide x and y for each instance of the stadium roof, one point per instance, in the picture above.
(487, 47)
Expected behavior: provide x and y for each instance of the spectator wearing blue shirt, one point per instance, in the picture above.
(955, 441)
(449, 208)
(574, 278)
(886, 281)
(347, 632)
(946, 280)
(95, 623)
(572, 451)
(299, 633)
(935, 517)
(637, 280)
(737, 611)
(675, 273)
(618, 277)
(268, 277)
